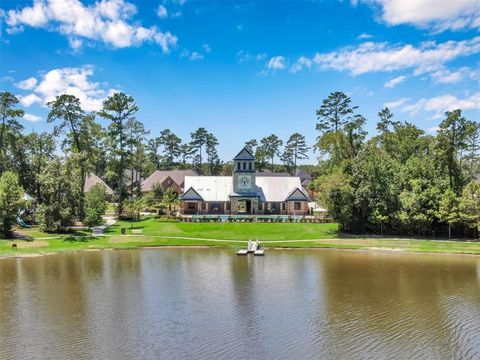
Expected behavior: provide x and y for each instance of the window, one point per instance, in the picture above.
(249, 166)
(297, 205)
(191, 206)
(227, 206)
(215, 206)
(238, 165)
(283, 206)
(244, 165)
(260, 206)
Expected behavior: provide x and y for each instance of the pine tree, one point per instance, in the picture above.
(295, 149)
(118, 109)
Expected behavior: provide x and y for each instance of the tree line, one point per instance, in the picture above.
(401, 180)
(52, 166)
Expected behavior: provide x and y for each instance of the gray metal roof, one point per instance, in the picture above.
(191, 194)
(269, 188)
(277, 189)
(211, 188)
(244, 154)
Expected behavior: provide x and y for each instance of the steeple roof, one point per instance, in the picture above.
(245, 154)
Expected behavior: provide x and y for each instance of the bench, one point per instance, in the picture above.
(137, 231)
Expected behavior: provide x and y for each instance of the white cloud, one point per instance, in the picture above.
(30, 99)
(445, 76)
(27, 84)
(376, 57)
(276, 63)
(72, 81)
(396, 103)
(364, 36)
(35, 16)
(442, 103)
(75, 44)
(106, 21)
(206, 48)
(162, 12)
(437, 15)
(195, 56)
(31, 117)
(300, 64)
(394, 82)
(245, 56)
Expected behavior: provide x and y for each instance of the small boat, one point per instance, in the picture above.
(242, 252)
(259, 252)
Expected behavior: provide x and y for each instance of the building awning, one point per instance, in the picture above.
(297, 195)
(191, 195)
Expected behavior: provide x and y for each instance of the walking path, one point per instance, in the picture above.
(98, 230)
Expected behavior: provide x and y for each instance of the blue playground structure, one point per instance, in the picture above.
(20, 220)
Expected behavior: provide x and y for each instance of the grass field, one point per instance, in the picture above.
(232, 235)
(230, 231)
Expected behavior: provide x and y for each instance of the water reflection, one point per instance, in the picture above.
(206, 303)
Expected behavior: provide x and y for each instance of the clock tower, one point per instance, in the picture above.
(244, 199)
(244, 173)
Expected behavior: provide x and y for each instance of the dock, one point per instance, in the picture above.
(253, 247)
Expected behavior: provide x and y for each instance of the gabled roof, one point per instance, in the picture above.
(244, 154)
(159, 176)
(210, 188)
(92, 180)
(297, 194)
(303, 175)
(191, 194)
(276, 188)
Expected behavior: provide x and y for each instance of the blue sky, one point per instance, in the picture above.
(244, 69)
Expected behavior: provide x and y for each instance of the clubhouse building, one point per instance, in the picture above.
(244, 193)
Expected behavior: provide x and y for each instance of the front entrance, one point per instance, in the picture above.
(190, 207)
(244, 206)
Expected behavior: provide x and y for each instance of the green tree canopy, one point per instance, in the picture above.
(119, 108)
(11, 199)
(9, 124)
(95, 205)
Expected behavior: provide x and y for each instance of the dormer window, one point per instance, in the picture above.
(244, 165)
(249, 166)
(238, 165)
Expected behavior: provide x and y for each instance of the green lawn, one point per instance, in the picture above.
(233, 235)
(229, 231)
(39, 241)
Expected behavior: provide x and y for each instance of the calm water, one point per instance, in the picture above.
(205, 304)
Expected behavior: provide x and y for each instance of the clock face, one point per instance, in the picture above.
(244, 182)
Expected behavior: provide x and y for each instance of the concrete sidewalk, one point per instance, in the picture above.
(109, 221)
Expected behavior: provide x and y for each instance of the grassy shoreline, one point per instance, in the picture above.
(225, 235)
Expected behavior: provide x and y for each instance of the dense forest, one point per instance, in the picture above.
(399, 181)
(402, 180)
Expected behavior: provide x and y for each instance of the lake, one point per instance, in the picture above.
(209, 304)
